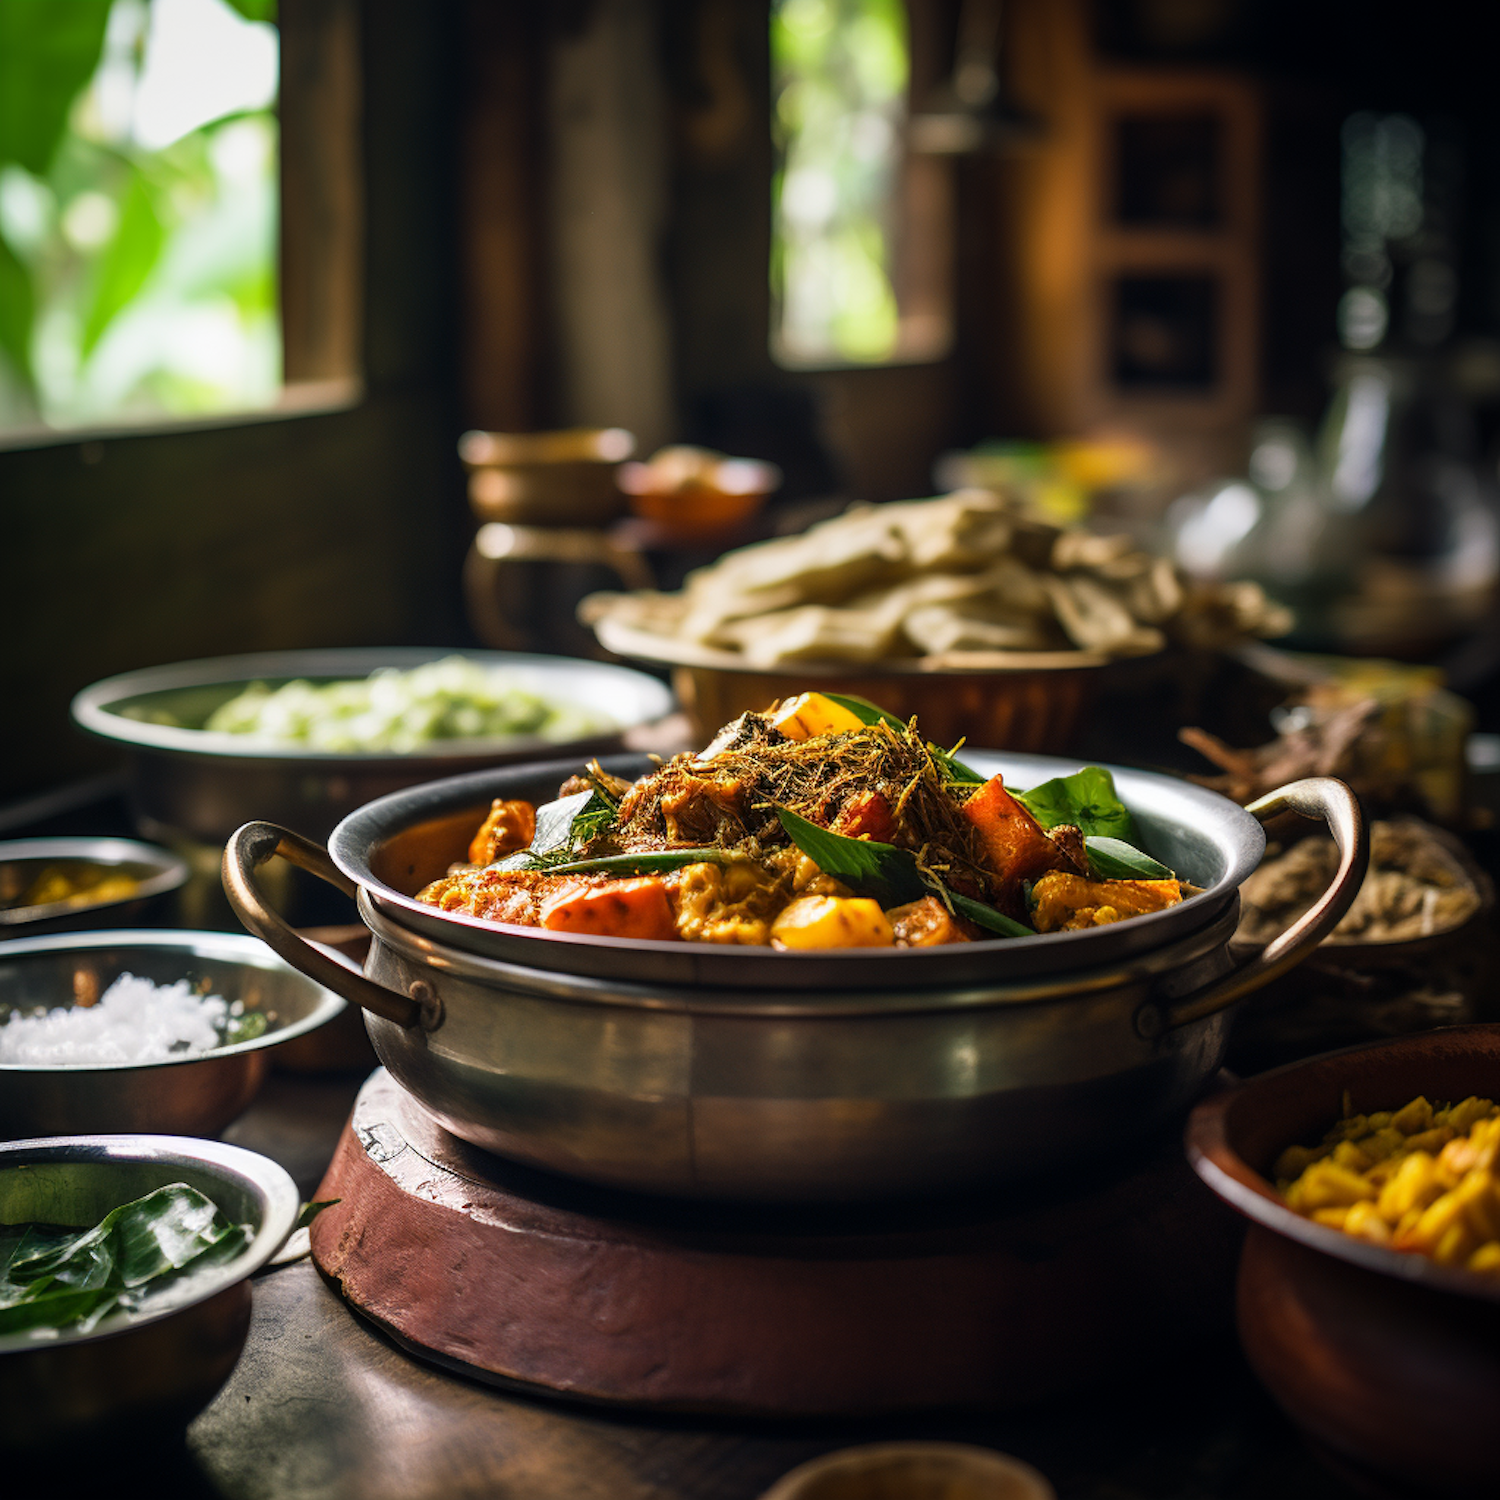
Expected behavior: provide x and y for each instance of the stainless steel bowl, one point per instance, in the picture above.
(750, 1074)
(396, 845)
(135, 1373)
(197, 1094)
(189, 783)
(156, 871)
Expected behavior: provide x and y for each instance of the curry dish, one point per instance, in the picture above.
(821, 823)
(1422, 1178)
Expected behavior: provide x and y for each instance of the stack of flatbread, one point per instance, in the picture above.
(967, 579)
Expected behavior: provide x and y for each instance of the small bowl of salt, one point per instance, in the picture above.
(153, 1032)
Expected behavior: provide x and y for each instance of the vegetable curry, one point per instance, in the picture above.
(823, 822)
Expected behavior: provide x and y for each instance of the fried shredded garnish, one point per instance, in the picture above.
(732, 798)
(798, 828)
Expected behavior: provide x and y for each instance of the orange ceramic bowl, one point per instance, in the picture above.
(726, 496)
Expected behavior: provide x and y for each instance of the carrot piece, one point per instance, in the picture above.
(509, 826)
(632, 908)
(1016, 844)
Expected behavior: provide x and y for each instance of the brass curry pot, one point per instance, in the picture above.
(749, 1074)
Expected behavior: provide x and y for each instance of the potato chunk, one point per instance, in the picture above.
(832, 922)
(809, 715)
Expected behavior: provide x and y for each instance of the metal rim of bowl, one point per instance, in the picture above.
(270, 1182)
(93, 709)
(232, 947)
(787, 1002)
(1234, 1180)
(693, 963)
(171, 872)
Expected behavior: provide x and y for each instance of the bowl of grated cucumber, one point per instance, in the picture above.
(308, 736)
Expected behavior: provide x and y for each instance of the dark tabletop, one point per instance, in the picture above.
(321, 1404)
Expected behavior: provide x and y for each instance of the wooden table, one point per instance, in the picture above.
(323, 1407)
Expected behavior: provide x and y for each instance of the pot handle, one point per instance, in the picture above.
(251, 846)
(1334, 803)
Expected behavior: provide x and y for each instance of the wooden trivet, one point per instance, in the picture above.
(519, 1277)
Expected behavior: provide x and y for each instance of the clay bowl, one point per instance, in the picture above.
(912, 1471)
(728, 493)
(1388, 1361)
(1023, 701)
(564, 478)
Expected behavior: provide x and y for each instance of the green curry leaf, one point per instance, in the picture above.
(1087, 800)
(885, 873)
(1113, 859)
(310, 1211)
(882, 871)
(646, 862)
(988, 918)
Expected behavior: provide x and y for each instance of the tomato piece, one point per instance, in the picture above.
(636, 907)
(866, 815)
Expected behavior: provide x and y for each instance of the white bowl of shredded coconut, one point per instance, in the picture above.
(164, 1032)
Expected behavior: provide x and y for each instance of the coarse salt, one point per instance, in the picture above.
(134, 1021)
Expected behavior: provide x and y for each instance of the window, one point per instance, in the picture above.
(138, 210)
(852, 269)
